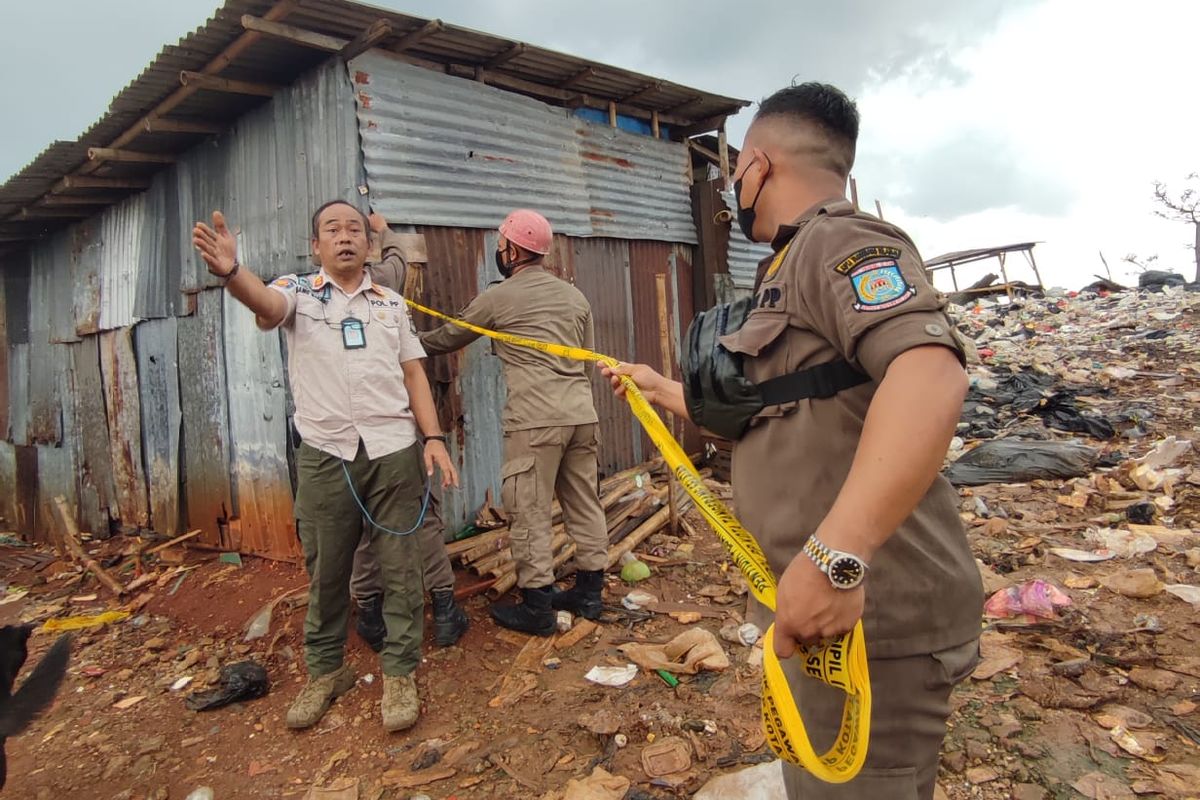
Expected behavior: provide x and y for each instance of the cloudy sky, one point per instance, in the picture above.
(984, 122)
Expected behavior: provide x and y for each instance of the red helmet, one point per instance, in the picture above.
(528, 229)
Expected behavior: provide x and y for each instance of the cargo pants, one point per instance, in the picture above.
(330, 526)
(540, 464)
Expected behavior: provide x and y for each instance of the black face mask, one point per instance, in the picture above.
(747, 216)
(502, 265)
(507, 267)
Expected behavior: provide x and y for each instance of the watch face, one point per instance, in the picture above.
(846, 572)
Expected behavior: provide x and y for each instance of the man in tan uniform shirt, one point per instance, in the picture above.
(551, 435)
(831, 484)
(361, 395)
(450, 621)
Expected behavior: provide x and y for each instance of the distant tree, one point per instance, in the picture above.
(1182, 208)
(1142, 264)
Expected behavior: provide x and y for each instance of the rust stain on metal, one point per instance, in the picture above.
(361, 77)
(364, 99)
(124, 424)
(624, 163)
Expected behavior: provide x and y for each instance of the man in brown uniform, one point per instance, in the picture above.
(450, 622)
(846, 476)
(359, 417)
(551, 435)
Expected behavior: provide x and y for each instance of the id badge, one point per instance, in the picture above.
(354, 337)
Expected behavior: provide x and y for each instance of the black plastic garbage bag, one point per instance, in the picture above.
(1060, 411)
(1021, 460)
(242, 681)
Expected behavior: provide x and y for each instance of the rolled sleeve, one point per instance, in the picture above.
(286, 286)
(410, 343)
(865, 286)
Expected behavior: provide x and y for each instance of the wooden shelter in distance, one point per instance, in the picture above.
(987, 284)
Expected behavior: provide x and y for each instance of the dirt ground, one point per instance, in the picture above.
(1098, 699)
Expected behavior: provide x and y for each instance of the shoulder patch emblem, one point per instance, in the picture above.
(879, 285)
(285, 283)
(858, 257)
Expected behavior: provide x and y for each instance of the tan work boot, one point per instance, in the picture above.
(314, 699)
(401, 705)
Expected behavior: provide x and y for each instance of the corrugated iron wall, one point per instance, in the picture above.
(743, 255)
(440, 150)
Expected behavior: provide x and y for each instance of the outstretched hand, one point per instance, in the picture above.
(217, 245)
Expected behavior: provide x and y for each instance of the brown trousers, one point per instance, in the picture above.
(540, 464)
(366, 580)
(910, 703)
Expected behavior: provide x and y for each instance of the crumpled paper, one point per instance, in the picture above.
(686, 654)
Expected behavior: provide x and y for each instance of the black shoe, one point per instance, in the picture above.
(450, 622)
(371, 626)
(584, 598)
(534, 615)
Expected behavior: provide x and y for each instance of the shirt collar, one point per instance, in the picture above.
(366, 285)
(834, 205)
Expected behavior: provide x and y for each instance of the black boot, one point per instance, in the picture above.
(371, 626)
(450, 622)
(584, 597)
(534, 615)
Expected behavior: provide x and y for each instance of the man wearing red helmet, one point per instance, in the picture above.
(551, 431)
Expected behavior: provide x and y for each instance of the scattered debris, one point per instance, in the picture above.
(612, 676)
(687, 653)
(245, 680)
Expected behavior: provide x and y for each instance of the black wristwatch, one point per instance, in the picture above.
(844, 570)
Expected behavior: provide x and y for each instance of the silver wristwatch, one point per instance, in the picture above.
(844, 570)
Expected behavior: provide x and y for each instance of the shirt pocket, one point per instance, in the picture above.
(762, 342)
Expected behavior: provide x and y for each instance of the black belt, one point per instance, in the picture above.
(821, 382)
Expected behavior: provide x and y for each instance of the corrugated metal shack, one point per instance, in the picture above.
(133, 387)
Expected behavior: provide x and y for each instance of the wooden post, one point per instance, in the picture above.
(70, 535)
(1004, 274)
(854, 192)
(1038, 275)
(1107, 271)
(654, 128)
(612, 113)
(878, 209)
(128, 156)
(723, 154)
(664, 340)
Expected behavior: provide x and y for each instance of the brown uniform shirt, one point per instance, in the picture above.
(850, 286)
(543, 390)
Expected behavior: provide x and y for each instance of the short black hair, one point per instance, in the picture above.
(824, 106)
(316, 217)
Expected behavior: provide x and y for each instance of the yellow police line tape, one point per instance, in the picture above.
(841, 664)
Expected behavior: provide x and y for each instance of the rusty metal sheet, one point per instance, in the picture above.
(203, 402)
(97, 494)
(158, 382)
(601, 268)
(27, 491)
(18, 393)
(4, 432)
(647, 260)
(16, 277)
(46, 360)
(262, 491)
(156, 294)
(119, 368)
(56, 477)
(121, 234)
(8, 486)
(86, 247)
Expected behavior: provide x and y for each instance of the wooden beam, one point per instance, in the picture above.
(702, 126)
(723, 154)
(612, 114)
(413, 38)
(199, 80)
(98, 182)
(180, 126)
(128, 156)
(654, 126)
(700, 149)
(653, 86)
(292, 34)
(505, 56)
(375, 33)
(586, 72)
(35, 213)
(220, 62)
(81, 200)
